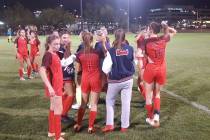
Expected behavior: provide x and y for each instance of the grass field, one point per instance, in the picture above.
(24, 109)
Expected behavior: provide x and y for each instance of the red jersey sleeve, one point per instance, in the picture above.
(47, 60)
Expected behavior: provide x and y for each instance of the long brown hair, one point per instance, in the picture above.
(119, 38)
(87, 40)
(49, 40)
(67, 52)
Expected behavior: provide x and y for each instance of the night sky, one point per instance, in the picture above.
(137, 7)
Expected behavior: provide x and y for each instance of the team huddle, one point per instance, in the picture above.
(103, 67)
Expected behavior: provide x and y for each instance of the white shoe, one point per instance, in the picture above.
(50, 135)
(22, 79)
(30, 77)
(150, 121)
(75, 106)
(24, 72)
(156, 120)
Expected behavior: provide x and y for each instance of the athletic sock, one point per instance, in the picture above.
(36, 67)
(29, 71)
(80, 114)
(51, 122)
(92, 118)
(57, 122)
(67, 104)
(149, 109)
(21, 72)
(157, 106)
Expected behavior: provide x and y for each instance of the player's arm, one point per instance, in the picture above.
(168, 30)
(43, 75)
(104, 45)
(139, 56)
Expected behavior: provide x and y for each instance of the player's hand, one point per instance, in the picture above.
(51, 91)
(164, 24)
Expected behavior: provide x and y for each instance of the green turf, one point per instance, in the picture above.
(24, 109)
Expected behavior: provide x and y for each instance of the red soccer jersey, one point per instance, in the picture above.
(22, 45)
(155, 49)
(90, 62)
(53, 65)
(34, 46)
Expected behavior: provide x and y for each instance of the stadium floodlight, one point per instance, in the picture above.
(81, 12)
(1, 23)
(128, 16)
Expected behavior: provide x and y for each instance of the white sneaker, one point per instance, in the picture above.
(75, 106)
(156, 120)
(30, 77)
(50, 135)
(22, 79)
(150, 121)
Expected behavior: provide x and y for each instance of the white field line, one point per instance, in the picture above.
(185, 100)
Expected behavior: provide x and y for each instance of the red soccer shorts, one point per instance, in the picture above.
(34, 54)
(155, 73)
(91, 83)
(22, 57)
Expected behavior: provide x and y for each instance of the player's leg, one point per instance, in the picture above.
(36, 65)
(126, 94)
(69, 88)
(157, 105)
(78, 93)
(58, 108)
(21, 62)
(149, 106)
(94, 97)
(112, 92)
(160, 81)
(81, 112)
(29, 68)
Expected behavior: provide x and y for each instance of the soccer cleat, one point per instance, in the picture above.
(22, 79)
(156, 120)
(91, 130)
(108, 128)
(77, 127)
(75, 106)
(30, 77)
(50, 135)
(123, 130)
(150, 121)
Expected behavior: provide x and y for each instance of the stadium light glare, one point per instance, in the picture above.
(1, 23)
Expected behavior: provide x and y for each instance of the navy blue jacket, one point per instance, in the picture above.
(123, 64)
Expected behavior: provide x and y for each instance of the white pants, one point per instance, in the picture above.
(125, 90)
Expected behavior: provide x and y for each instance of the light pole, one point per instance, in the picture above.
(81, 12)
(128, 22)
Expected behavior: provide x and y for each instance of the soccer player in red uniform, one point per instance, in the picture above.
(88, 60)
(22, 53)
(34, 52)
(67, 62)
(155, 70)
(51, 74)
